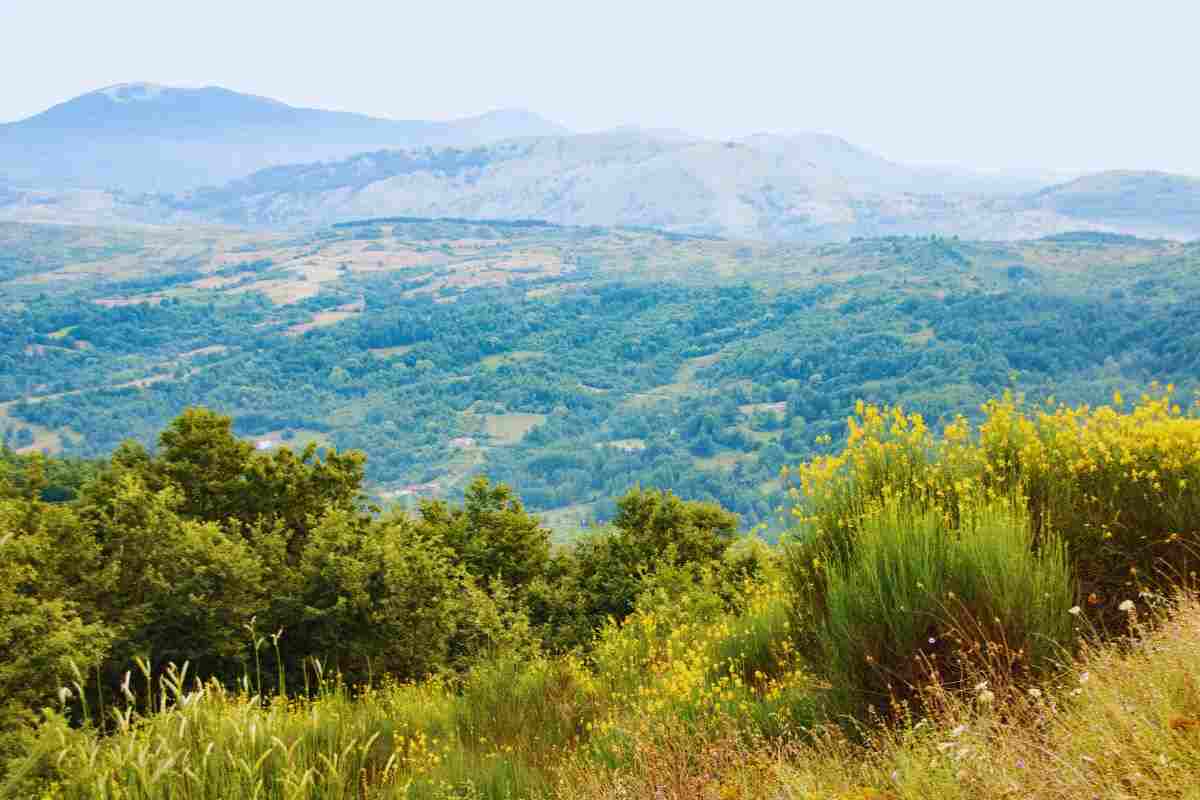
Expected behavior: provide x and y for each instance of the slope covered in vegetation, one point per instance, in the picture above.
(986, 611)
(570, 362)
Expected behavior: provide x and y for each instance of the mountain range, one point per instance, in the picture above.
(146, 137)
(809, 188)
(152, 154)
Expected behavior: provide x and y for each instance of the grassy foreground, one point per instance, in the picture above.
(1123, 721)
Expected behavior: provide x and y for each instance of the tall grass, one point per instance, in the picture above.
(1117, 484)
(1123, 721)
(920, 595)
(508, 728)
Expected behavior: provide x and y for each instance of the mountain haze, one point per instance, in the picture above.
(810, 187)
(146, 137)
(1154, 202)
(152, 154)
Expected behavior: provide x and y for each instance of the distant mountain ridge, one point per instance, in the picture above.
(152, 154)
(766, 187)
(1118, 197)
(147, 137)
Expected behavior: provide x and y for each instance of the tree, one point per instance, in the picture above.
(173, 588)
(658, 525)
(376, 596)
(283, 488)
(222, 480)
(491, 534)
(200, 455)
(603, 574)
(41, 634)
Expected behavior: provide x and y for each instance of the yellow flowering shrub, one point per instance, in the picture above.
(1117, 483)
(683, 657)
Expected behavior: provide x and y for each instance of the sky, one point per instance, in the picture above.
(1018, 84)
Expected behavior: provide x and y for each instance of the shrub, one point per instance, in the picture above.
(1117, 485)
(919, 593)
(601, 575)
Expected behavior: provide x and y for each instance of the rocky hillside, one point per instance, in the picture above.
(803, 188)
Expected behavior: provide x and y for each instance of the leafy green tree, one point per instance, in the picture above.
(174, 588)
(292, 490)
(221, 479)
(41, 635)
(601, 577)
(200, 455)
(377, 596)
(657, 525)
(491, 534)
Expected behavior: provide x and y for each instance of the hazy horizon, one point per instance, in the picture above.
(1072, 87)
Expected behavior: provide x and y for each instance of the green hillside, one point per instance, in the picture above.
(956, 613)
(573, 362)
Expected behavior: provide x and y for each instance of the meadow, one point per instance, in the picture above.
(993, 609)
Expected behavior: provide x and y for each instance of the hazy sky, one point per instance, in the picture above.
(1002, 83)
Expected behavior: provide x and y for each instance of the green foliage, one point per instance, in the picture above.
(657, 525)
(667, 381)
(177, 588)
(375, 596)
(490, 534)
(175, 558)
(45, 638)
(920, 595)
(198, 453)
(246, 566)
(600, 577)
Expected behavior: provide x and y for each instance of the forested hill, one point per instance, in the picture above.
(570, 362)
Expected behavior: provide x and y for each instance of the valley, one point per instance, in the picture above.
(571, 361)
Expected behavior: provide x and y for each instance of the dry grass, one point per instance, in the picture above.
(1124, 722)
(391, 352)
(324, 319)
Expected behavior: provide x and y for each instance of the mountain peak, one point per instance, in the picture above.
(132, 92)
(509, 123)
(144, 136)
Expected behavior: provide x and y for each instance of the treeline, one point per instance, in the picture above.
(208, 551)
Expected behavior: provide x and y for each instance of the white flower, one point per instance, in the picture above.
(1075, 611)
(1084, 677)
(1126, 606)
(1035, 693)
(64, 694)
(986, 697)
